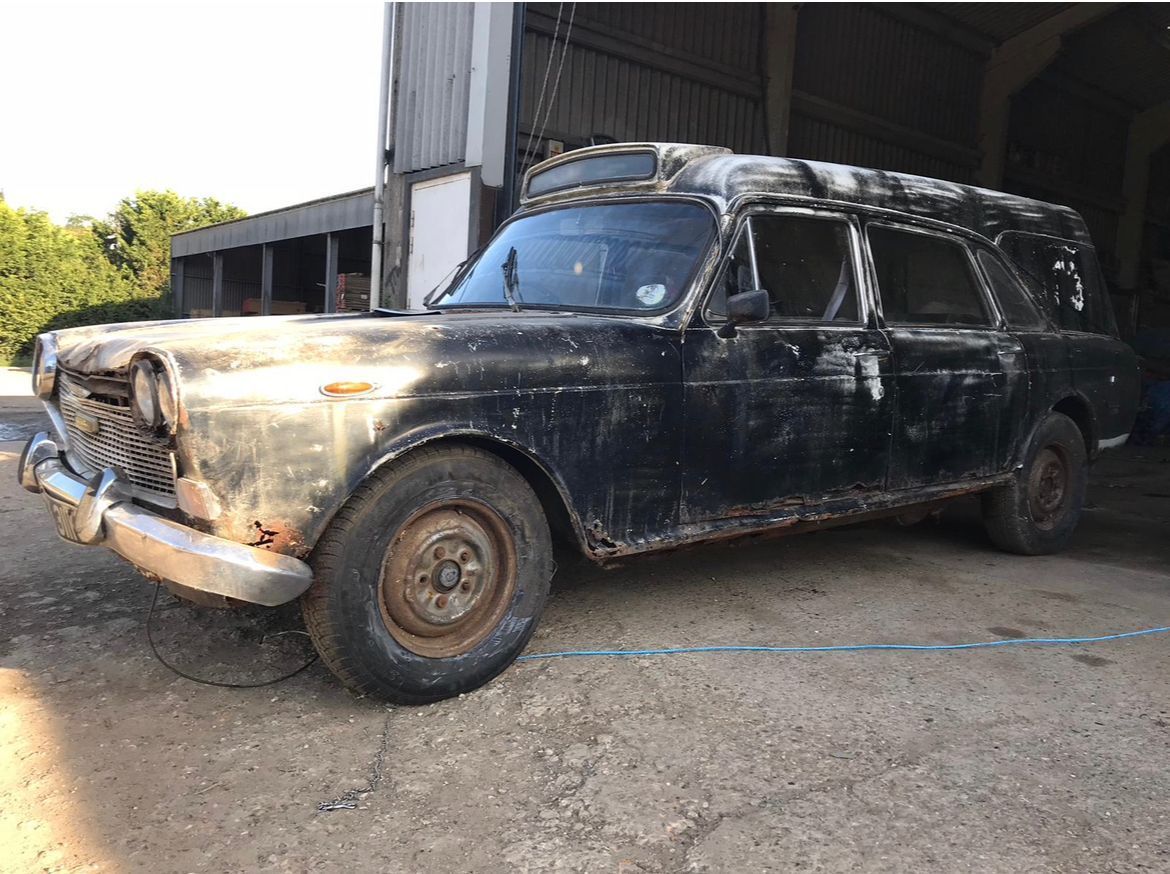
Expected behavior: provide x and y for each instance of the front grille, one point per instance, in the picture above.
(149, 467)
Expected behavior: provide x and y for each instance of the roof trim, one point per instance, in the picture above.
(338, 212)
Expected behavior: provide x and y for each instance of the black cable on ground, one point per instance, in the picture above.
(186, 676)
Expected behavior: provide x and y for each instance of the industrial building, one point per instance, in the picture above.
(1068, 103)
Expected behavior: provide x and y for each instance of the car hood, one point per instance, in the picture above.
(287, 359)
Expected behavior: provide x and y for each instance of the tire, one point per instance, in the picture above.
(432, 578)
(1038, 511)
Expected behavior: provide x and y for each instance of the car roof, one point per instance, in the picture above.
(720, 175)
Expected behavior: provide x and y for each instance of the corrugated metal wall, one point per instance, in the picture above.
(434, 74)
(890, 74)
(684, 72)
(692, 73)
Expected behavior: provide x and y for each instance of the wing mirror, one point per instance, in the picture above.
(745, 307)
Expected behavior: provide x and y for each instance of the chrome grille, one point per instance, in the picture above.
(117, 443)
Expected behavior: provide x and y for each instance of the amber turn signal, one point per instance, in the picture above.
(347, 389)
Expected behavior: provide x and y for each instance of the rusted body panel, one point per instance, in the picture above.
(655, 431)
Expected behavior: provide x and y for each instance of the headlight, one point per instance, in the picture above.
(44, 369)
(152, 396)
(144, 395)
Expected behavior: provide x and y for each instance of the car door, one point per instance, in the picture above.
(943, 331)
(796, 409)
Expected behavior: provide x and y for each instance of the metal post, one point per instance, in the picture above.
(266, 280)
(216, 284)
(178, 276)
(507, 203)
(376, 251)
(331, 253)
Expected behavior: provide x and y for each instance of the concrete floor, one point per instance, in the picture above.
(1013, 759)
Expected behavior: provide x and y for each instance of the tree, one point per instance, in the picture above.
(56, 277)
(137, 237)
(92, 271)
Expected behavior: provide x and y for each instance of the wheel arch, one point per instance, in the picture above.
(563, 521)
(1077, 408)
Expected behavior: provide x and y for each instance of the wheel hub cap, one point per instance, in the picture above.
(447, 578)
(1048, 486)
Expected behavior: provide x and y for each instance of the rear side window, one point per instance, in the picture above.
(925, 279)
(1017, 308)
(1065, 279)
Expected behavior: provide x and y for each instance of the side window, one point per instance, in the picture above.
(925, 280)
(735, 277)
(805, 266)
(1066, 281)
(1017, 307)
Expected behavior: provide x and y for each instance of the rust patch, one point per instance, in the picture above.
(278, 538)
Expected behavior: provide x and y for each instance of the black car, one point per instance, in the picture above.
(667, 344)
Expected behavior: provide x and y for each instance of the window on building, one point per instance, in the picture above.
(925, 280)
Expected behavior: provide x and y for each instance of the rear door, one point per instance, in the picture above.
(795, 409)
(948, 356)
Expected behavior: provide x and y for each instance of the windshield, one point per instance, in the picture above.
(620, 256)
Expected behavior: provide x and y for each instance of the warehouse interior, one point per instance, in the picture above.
(1068, 103)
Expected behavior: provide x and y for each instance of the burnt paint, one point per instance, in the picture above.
(655, 432)
(783, 414)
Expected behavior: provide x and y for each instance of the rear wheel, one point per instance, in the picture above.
(1038, 511)
(432, 578)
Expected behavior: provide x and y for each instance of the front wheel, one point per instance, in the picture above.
(432, 578)
(1038, 511)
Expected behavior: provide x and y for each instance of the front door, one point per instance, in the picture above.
(797, 409)
(950, 359)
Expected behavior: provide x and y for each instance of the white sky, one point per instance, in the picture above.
(261, 104)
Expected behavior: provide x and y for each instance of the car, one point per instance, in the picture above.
(666, 344)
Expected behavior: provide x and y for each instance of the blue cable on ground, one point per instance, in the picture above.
(857, 647)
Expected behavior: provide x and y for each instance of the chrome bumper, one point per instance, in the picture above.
(99, 512)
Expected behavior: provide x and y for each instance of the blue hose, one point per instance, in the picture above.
(855, 647)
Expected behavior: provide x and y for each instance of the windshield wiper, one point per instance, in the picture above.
(511, 280)
(434, 295)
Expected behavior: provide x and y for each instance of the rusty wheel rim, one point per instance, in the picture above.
(1048, 486)
(448, 577)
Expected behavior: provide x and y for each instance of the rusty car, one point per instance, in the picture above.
(666, 344)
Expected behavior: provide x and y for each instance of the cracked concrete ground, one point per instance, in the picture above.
(1013, 759)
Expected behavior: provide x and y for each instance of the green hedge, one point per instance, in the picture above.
(57, 277)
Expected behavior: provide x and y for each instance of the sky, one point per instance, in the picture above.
(260, 104)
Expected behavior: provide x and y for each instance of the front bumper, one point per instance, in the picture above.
(100, 512)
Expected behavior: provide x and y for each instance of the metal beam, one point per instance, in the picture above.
(1148, 132)
(881, 129)
(779, 57)
(941, 25)
(1015, 63)
(178, 277)
(266, 280)
(377, 245)
(648, 55)
(332, 248)
(216, 284)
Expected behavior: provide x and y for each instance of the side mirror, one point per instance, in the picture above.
(747, 306)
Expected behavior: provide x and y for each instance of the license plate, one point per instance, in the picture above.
(63, 518)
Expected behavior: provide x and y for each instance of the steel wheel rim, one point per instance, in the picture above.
(1048, 486)
(447, 578)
